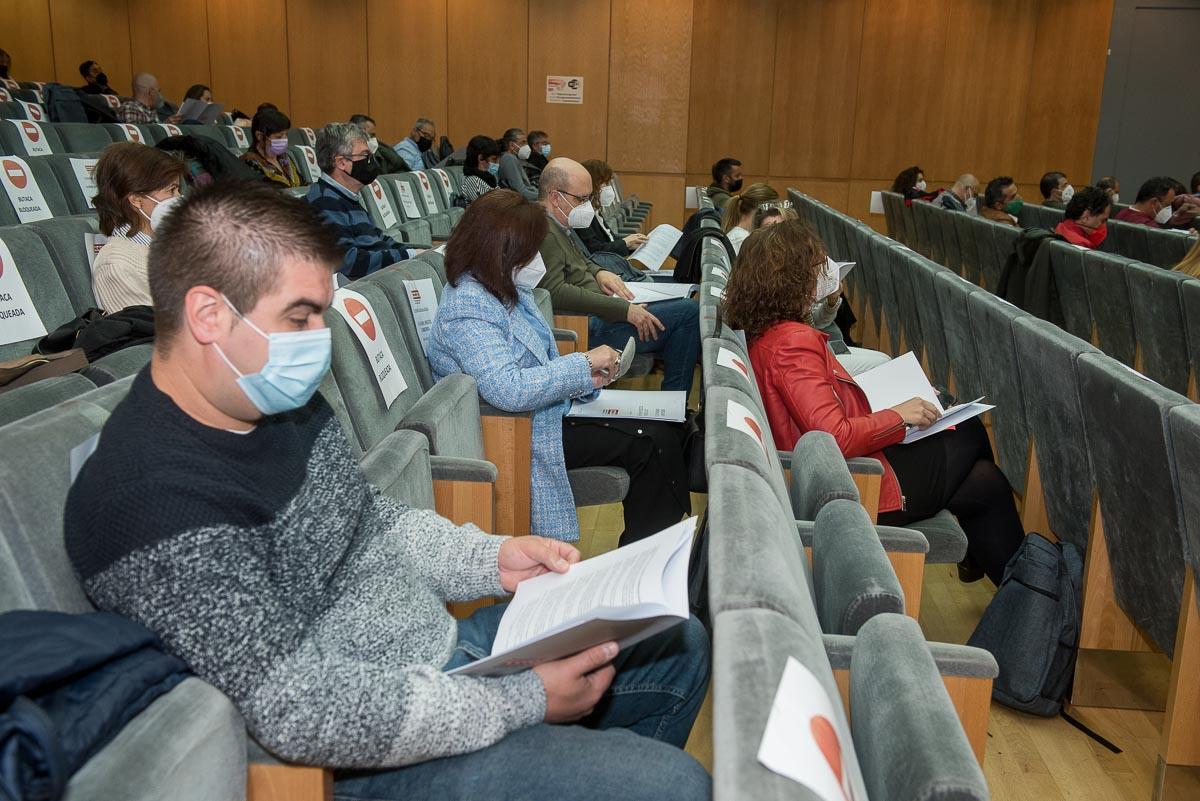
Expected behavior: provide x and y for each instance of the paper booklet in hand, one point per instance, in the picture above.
(632, 404)
(623, 596)
(653, 291)
(199, 111)
(626, 361)
(832, 276)
(902, 379)
(659, 244)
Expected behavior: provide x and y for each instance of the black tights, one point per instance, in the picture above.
(954, 470)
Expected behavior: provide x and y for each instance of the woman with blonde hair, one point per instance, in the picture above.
(738, 219)
(1191, 262)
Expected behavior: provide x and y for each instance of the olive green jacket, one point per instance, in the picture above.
(571, 279)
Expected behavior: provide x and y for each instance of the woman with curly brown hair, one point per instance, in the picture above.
(770, 296)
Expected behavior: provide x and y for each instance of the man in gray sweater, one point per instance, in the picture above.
(224, 510)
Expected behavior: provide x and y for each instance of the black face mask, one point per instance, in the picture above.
(736, 186)
(424, 144)
(365, 171)
(101, 79)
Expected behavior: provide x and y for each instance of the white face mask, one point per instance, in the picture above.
(1068, 193)
(1116, 197)
(1164, 214)
(921, 186)
(581, 216)
(530, 275)
(161, 209)
(971, 204)
(608, 196)
(523, 153)
(373, 143)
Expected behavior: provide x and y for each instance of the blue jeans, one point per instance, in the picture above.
(628, 748)
(679, 344)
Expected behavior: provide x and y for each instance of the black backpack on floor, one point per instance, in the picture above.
(1032, 626)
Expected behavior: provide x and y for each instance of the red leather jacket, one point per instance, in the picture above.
(804, 388)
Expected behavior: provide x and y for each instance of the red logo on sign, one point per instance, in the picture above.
(378, 192)
(754, 426)
(416, 295)
(134, 134)
(1, 267)
(740, 365)
(32, 131)
(35, 111)
(15, 174)
(361, 316)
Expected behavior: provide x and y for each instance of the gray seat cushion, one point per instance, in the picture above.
(952, 294)
(1157, 308)
(399, 468)
(593, 486)
(947, 540)
(1184, 427)
(1109, 298)
(1067, 268)
(64, 241)
(41, 280)
(853, 579)
(21, 402)
(819, 475)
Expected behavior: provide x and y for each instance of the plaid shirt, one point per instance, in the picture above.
(134, 112)
(367, 248)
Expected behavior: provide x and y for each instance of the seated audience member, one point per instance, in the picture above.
(961, 196)
(911, 183)
(738, 217)
(727, 180)
(199, 91)
(1191, 262)
(598, 237)
(514, 152)
(225, 511)
(95, 82)
(1056, 190)
(579, 286)
(240, 118)
(539, 149)
(1184, 208)
(386, 159)
(136, 186)
(488, 326)
(346, 167)
(769, 296)
(1112, 186)
(480, 168)
(413, 147)
(268, 154)
(1152, 206)
(1085, 220)
(143, 107)
(5, 64)
(1001, 201)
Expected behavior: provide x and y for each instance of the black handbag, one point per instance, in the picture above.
(693, 451)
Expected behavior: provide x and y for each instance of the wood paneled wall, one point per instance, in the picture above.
(834, 96)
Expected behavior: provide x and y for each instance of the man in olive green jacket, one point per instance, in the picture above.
(578, 285)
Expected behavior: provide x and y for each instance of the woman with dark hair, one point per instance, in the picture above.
(268, 155)
(1085, 218)
(598, 237)
(135, 187)
(911, 183)
(770, 296)
(198, 91)
(488, 326)
(481, 167)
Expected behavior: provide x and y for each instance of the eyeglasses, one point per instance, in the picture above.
(580, 198)
(358, 156)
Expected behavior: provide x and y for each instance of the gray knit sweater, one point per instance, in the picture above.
(268, 564)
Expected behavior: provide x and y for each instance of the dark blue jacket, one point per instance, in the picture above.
(68, 685)
(367, 248)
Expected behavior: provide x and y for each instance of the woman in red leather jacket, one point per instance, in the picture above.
(804, 388)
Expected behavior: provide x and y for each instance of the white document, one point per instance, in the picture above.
(950, 417)
(85, 174)
(386, 212)
(407, 200)
(623, 596)
(310, 163)
(720, 272)
(895, 382)
(132, 134)
(564, 89)
(739, 418)
(239, 135)
(32, 137)
(877, 203)
(627, 404)
(717, 292)
(19, 320)
(832, 276)
(34, 111)
(727, 358)
(170, 129)
(92, 243)
(652, 291)
(691, 197)
(23, 191)
(359, 315)
(658, 246)
(626, 361)
(801, 740)
(423, 301)
(426, 191)
(199, 111)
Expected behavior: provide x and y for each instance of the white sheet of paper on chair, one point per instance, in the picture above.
(895, 382)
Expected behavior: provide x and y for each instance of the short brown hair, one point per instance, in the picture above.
(499, 232)
(774, 278)
(231, 236)
(601, 174)
(125, 169)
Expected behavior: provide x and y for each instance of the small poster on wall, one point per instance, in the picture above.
(564, 89)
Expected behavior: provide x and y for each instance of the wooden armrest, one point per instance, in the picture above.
(278, 782)
(506, 444)
(868, 492)
(573, 322)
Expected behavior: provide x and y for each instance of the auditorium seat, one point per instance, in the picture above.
(14, 143)
(1167, 248)
(1000, 382)
(1190, 292)
(22, 402)
(1070, 283)
(1003, 239)
(890, 331)
(1156, 305)
(121, 364)
(952, 293)
(41, 279)
(1129, 240)
(392, 213)
(83, 137)
(65, 169)
(433, 189)
(66, 243)
(31, 173)
(951, 249)
(903, 275)
(923, 276)
(302, 136)
(423, 195)
(965, 226)
(129, 132)
(1108, 295)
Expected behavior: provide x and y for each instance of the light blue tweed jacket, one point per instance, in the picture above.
(516, 371)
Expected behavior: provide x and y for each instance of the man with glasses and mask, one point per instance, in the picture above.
(344, 157)
(578, 285)
(514, 155)
(224, 510)
(413, 147)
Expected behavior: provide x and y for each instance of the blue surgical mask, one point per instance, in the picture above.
(296, 364)
(546, 151)
(494, 167)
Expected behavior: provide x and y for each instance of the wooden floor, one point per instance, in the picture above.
(1028, 758)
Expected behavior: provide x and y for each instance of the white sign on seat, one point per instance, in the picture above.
(33, 137)
(85, 174)
(23, 190)
(407, 200)
(386, 213)
(310, 163)
(4, 95)
(239, 135)
(445, 179)
(170, 129)
(423, 301)
(358, 314)
(112, 100)
(34, 111)
(427, 191)
(19, 320)
(312, 137)
(132, 134)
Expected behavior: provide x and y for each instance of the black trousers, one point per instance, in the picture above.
(651, 452)
(955, 470)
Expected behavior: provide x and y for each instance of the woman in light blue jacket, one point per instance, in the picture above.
(489, 327)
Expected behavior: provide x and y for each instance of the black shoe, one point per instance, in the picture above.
(969, 572)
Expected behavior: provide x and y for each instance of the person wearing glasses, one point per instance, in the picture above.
(344, 157)
(578, 285)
